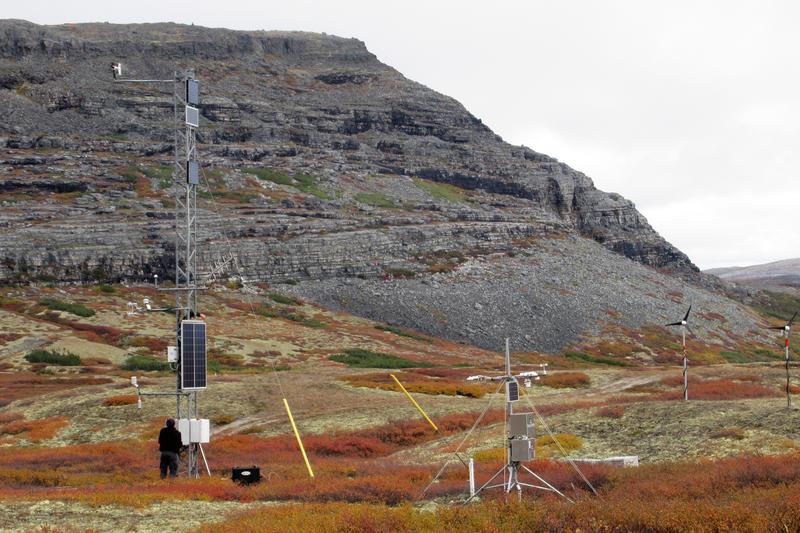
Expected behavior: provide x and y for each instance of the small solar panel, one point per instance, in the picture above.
(512, 391)
(193, 355)
(193, 172)
(193, 92)
(192, 116)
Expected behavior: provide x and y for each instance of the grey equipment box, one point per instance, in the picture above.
(521, 450)
(521, 425)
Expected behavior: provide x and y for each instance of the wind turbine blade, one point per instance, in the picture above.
(674, 324)
(687, 314)
(792, 319)
(781, 328)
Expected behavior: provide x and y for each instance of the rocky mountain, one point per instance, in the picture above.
(324, 169)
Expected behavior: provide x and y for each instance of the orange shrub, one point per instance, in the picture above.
(565, 380)
(120, 399)
(728, 433)
(35, 430)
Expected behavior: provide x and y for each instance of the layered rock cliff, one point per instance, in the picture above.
(320, 163)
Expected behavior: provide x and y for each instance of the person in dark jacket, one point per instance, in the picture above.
(169, 444)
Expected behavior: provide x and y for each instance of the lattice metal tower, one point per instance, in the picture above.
(190, 362)
(185, 174)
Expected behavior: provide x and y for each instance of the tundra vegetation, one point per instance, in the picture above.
(70, 430)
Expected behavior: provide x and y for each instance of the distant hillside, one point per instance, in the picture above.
(779, 275)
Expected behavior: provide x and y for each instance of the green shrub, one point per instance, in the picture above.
(375, 199)
(52, 357)
(303, 182)
(441, 191)
(777, 304)
(586, 358)
(402, 333)
(105, 287)
(162, 173)
(145, 363)
(73, 308)
(290, 314)
(310, 185)
(266, 174)
(283, 299)
(400, 273)
(360, 358)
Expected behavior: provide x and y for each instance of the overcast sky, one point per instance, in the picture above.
(690, 109)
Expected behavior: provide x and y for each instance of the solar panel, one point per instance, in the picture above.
(193, 355)
(192, 116)
(193, 92)
(193, 172)
(512, 390)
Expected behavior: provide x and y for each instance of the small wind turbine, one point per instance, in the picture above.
(786, 329)
(684, 324)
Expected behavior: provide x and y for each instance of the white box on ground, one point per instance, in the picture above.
(194, 430)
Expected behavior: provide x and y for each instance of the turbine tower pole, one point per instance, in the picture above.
(684, 324)
(786, 348)
(685, 364)
(787, 329)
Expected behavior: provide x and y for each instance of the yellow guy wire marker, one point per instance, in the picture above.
(414, 402)
(297, 435)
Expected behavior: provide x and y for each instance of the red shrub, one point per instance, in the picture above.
(612, 411)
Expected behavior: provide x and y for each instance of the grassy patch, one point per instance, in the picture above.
(129, 174)
(399, 273)
(303, 182)
(283, 299)
(777, 304)
(162, 173)
(310, 185)
(375, 199)
(402, 332)
(735, 357)
(290, 314)
(586, 358)
(144, 363)
(53, 357)
(418, 384)
(266, 174)
(105, 287)
(360, 358)
(73, 308)
(441, 191)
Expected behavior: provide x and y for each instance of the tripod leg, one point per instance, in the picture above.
(551, 487)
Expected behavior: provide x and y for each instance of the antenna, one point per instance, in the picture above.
(521, 439)
(684, 323)
(786, 329)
